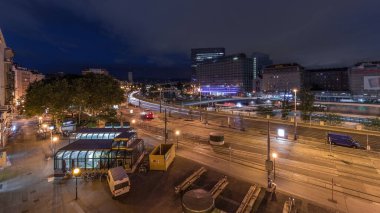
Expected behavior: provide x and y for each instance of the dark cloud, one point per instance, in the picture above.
(161, 33)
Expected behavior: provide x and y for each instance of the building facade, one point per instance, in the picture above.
(229, 75)
(282, 77)
(130, 77)
(95, 71)
(331, 79)
(364, 79)
(23, 78)
(260, 61)
(199, 55)
(6, 75)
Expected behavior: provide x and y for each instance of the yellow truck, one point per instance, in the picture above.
(161, 157)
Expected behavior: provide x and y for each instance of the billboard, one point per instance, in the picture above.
(372, 82)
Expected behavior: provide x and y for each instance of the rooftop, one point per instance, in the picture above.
(95, 144)
(102, 130)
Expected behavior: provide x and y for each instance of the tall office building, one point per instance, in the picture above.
(260, 61)
(130, 77)
(199, 55)
(229, 75)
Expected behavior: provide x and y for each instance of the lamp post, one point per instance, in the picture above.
(160, 89)
(51, 133)
(200, 104)
(76, 173)
(54, 139)
(44, 127)
(40, 120)
(274, 155)
(177, 133)
(295, 114)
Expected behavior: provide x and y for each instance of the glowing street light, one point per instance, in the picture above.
(53, 140)
(133, 121)
(40, 120)
(177, 133)
(274, 155)
(76, 173)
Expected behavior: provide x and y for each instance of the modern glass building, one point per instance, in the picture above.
(199, 55)
(229, 75)
(100, 150)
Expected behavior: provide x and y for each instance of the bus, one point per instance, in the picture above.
(216, 138)
(118, 181)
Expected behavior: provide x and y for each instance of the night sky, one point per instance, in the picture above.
(154, 38)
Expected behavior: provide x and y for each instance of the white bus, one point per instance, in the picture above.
(118, 181)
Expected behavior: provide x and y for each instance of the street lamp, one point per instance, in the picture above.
(54, 139)
(133, 121)
(40, 120)
(200, 102)
(76, 173)
(160, 89)
(177, 133)
(274, 155)
(44, 127)
(295, 114)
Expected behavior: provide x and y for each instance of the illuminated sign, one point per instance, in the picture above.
(372, 82)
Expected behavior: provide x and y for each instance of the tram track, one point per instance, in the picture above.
(280, 173)
(256, 160)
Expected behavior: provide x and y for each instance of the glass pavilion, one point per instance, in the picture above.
(100, 151)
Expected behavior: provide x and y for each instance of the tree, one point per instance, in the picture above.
(307, 103)
(92, 93)
(264, 111)
(285, 109)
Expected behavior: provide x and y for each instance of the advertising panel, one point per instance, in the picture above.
(372, 82)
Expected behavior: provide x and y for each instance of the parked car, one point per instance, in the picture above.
(342, 140)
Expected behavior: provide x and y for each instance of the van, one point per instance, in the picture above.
(118, 181)
(342, 140)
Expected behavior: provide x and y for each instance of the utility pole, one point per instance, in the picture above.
(166, 130)
(268, 163)
(295, 114)
(160, 89)
(200, 103)
(332, 192)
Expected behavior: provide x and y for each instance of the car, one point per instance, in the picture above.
(147, 115)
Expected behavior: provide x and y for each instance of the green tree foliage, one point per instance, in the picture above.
(285, 109)
(92, 93)
(264, 111)
(332, 119)
(373, 123)
(307, 103)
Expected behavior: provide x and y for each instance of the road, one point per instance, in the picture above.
(218, 159)
(315, 133)
(355, 172)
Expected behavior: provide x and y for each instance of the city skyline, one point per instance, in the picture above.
(129, 36)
